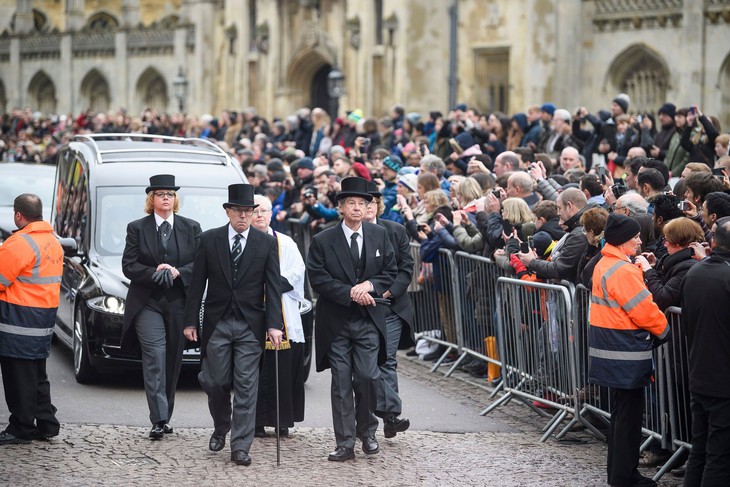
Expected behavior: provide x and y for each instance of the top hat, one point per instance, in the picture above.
(162, 181)
(354, 186)
(373, 189)
(240, 195)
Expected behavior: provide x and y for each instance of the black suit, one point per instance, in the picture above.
(152, 312)
(238, 311)
(349, 338)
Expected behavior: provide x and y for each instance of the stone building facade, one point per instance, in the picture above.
(275, 55)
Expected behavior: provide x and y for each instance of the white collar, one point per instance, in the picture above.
(232, 232)
(159, 219)
(348, 231)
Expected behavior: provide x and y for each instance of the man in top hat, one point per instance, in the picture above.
(158, 260)
(349, 265)
(625, 324)
(242, 307)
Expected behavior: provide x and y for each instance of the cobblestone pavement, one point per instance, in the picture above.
(87, 454)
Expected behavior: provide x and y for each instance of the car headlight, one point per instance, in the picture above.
(107, 304)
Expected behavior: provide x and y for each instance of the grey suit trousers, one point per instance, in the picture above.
(389, 402)
(354, 364)
(161, 340)
(231, 363)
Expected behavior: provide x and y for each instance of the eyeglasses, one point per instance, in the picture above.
(162, 194)
(240, 210)
(261, 212)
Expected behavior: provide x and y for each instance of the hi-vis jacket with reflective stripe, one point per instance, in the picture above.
(623, 319)
(31, 263)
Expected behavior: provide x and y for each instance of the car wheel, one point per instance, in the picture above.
(83, 370)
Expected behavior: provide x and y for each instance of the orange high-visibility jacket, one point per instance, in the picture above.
(623, 319)
(31, 264)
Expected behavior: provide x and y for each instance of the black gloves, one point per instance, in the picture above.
(163, 278)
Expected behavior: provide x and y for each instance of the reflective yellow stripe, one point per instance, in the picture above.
(39, 280)
(633, 302)
(36, 272)
(5, 281)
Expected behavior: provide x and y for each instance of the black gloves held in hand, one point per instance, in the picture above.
(163, 278)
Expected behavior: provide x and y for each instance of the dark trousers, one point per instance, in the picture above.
(28, 396)
(354, 364)
(162, 342)
(709, 460)
(389, 402)
(624, 436)
(231, 363)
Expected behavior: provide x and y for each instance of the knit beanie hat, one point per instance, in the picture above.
(622, 100)
(355, 115)
(410, 181)
(548, 108)
(668, 109)
(620, 229)
(393, 162)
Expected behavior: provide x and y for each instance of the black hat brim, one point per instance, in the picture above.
(229, 204)
(155, 188)
(347, 194)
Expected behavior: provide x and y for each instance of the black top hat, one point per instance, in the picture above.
(354, 186)
(373, 189)
(240, 195)
(162, 181)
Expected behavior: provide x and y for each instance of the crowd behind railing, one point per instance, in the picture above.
(486, 196)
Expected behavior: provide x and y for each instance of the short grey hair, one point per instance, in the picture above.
(521, 180)
(433, 164)
(634, 202)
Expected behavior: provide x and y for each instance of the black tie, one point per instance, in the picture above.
(236, 251)
(354, 251)
(165, 233)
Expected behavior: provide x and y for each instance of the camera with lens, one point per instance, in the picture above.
(619, 188)
(310, 193)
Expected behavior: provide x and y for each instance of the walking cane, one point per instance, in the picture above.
(278, 439)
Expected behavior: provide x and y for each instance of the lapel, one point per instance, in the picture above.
(369, 250)
(341, 248)
(149, 230)
(248, 251)
(224, 252)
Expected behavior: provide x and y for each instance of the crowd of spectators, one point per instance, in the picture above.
(531, 191)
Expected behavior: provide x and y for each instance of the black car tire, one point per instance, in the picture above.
(83, 370)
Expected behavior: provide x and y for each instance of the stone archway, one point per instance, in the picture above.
(42, 93)
(152, 91)
(642, 73)
(304, 66)
(95, 92)
(724, 87)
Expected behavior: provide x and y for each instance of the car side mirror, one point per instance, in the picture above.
(70, 249)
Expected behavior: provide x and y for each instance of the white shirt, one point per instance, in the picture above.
(232, 235)
(348, 234)
(158, 220)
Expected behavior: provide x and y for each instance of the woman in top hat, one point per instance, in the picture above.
(158, 260)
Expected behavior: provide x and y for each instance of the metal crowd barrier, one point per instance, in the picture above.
(434, 291)
(534, 330)
(676, 381)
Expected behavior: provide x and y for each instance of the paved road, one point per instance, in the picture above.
(103, 442)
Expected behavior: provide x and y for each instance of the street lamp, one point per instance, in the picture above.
(180, 83)
(335, 83)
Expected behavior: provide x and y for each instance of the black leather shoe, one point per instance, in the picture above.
(370, 445)
(216, 442)
(166, 428)
(341, 454)
(156, 432)
(240, 457)
(284, 432)
(393, 425)
(40, 436)
(10, 439)
(260, 432)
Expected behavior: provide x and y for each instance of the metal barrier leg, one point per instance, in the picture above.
(441, 359)
(496, 390)
(669, 463)
(502, 400)
(457, 362)
(555, 423)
